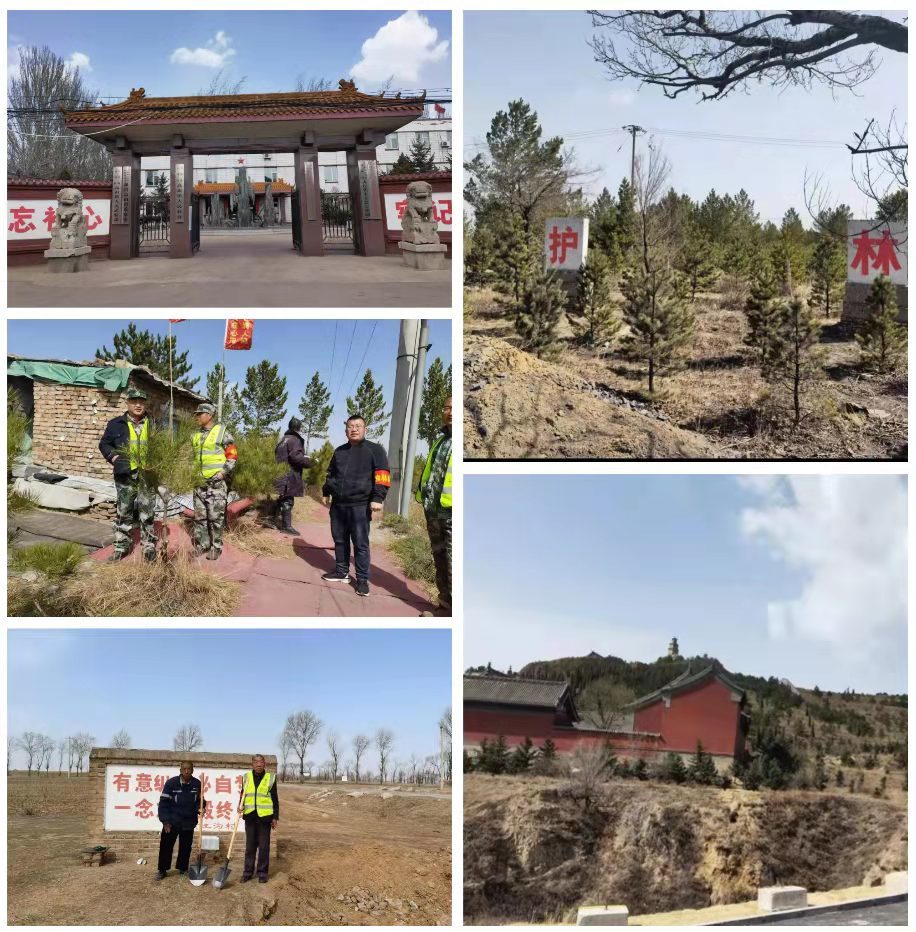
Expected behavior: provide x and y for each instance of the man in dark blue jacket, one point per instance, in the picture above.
(290, 450)
(179, 808)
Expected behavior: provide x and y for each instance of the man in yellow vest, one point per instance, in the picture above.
(261, 811)
(124, 446)
(435, 495)
(215, 455)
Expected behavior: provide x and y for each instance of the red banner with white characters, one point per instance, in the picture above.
(239, 334)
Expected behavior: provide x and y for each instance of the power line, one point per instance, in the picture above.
(343, 371)
(333, 351)
(366, 350)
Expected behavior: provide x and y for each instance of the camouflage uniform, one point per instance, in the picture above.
(211, 497)
(135, 495)
(439, 523)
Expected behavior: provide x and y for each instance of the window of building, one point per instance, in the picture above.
(211, 175)
(151, 179)
(330, 174)
(391, 141)
(423, 137)
(270, 175)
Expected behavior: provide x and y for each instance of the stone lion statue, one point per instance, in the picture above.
(418, 223)
(69, 230)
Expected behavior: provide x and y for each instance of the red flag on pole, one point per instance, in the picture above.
(439, 109)
(239, 334)
(179, 320)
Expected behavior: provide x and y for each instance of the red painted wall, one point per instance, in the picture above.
(706, 712)
(31, 252)
(440, 181)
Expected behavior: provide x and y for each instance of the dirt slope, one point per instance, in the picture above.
(518, 406)
(532, 853)
(342, 860)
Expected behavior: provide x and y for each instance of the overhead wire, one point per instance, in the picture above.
(343, 371)
(366, 350)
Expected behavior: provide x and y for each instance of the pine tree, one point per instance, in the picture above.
(538, 315)
(661, 326)
(641, 770)
(820, 773)
(627, 230)
(403, 165)
(763, 317)
(369, 403)
(828, 271)
(522, 757)
(702, 768)
(696, 261)
(515, 257)
(143, 348)
(437, 388)
(791, 253)
(263, 397)
(321, 461)
(479, 250)
(599, 321)
(602, 231)
(548, 750)
(315, 410)
(673, 768)
(882, 340)
(494, 756)
(232, 401)
(799, 358)
(421, 155)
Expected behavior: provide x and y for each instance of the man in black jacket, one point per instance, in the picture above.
(357, 483)
(179, 807)
(124, 446)
(291, 450)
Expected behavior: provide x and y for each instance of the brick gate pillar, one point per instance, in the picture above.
(362, 176)
(125, 204)
(182, 177)
(305, 159)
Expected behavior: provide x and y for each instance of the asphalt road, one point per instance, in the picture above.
(888, 914)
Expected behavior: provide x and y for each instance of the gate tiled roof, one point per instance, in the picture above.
(515, 690)
(228, 187)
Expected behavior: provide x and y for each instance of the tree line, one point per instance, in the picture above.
(658, 250)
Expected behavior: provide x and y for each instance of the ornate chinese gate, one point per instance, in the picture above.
(336, 217)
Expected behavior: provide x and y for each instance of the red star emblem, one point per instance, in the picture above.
(241, 161)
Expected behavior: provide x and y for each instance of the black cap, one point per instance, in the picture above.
(295, 423)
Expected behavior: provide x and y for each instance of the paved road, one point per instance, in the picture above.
(888, 914)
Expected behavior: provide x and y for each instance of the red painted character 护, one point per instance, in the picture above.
(560, 242)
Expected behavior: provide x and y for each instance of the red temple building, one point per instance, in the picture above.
(705, 707)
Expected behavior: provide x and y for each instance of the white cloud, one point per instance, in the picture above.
(399, 50)
(79, 61)
(621, 98)
(846, 538)
(215, 54)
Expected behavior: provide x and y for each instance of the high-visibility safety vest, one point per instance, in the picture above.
(138, 444)
(445, 499)
(257, 796)
(208, 451)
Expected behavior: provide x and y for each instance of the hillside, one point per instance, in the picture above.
(533, 853)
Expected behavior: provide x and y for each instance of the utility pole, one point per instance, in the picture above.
(408, 347)
(416, 403)
(632, 129)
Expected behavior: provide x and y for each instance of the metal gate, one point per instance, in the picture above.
(155, 225)
(336, 217)
(195, 222)
(297, 228)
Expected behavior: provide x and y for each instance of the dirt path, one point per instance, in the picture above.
(342, 859)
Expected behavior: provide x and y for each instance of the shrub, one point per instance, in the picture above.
(257, 470)
(54, 560)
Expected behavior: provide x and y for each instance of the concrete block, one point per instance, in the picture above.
(210, 843)
(424, 257)
(603, 916)
(775, 899)
(896, 882)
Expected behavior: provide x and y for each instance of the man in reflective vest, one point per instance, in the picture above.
(435, 495)
(215, 455)
(261, 811)
(124, 446)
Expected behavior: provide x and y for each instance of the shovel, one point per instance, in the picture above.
(222, 875)
(197, 873)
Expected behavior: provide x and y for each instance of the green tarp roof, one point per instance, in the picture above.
(111, 378)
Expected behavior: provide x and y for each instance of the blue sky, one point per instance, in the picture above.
(123, 50)
(803, 578)
(548, 63)
(299, 347)
(151, 682)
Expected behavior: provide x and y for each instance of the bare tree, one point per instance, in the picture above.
(222, 85)
(384, 741)
(335, 749)
(48, 747)
(717, 52)
(29, 742)
(445, 739)
(10, 746)
(81, 745)
(312, 84)
(61, 750)
(360, 744)
(285, 750)
(301, 729)
(38, 144)
(188, 738)
(122, 740)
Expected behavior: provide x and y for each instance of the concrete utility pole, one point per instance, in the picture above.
(633, 130)
(408, 346)
(416, 403)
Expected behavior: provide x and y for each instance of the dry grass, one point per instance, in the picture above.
(174, 588)
(247, 535)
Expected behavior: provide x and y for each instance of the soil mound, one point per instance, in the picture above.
(533, 852)
(519, 406)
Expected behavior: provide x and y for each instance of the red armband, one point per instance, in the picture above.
(231, 451)
(383, 477)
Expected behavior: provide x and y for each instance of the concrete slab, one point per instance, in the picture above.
(53, 496)
(773, 899)
(342, 601)
(243, 270)
(896, 882)
(53, 525)
(602, 916)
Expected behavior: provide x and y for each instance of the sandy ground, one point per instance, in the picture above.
(335, 852)
(245, 270)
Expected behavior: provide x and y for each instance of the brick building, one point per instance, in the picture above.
(107, 764)
(704, 706)
(69, 403)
